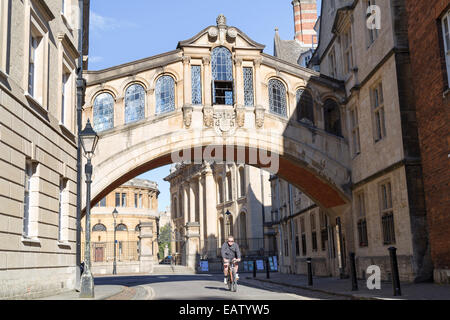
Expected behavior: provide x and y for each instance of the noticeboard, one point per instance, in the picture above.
(204, 266)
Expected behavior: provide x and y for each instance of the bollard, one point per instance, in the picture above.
(254, 268)
(268, 268)
(353, 270)
(395, 275)
(310, 277)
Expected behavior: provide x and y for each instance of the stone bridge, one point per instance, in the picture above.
(219, 91)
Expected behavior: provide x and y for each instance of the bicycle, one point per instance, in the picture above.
(232, 283)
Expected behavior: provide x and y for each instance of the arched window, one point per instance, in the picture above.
(229, 188)
(277, 97)
(165, 95)
(99, 228)
(175, 208)
(332, 117)
(121, 227)
(305, 107)
(103, 112)
(242, 228)
(220, 190)
(242, 182)
(222, 76)
(134, 103)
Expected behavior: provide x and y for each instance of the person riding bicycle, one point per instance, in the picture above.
(230, 252)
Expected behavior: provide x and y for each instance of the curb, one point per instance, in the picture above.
(353, 297)
(117, 295)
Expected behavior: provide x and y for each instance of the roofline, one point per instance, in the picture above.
(186, 43)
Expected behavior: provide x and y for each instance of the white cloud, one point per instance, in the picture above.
(100, 23)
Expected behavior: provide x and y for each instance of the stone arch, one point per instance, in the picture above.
(102, 89)
(133, 80)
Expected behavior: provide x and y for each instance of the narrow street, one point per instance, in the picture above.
(206, 287)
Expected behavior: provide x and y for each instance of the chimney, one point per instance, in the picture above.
(305, 17)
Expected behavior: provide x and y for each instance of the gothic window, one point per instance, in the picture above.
(248, 87)
(121, 227)
(305, 107)
(242, 182)
(243, 230)
(134, 103)
(277, 97)
(103, 112)
(332, 118)
(446, 36)
(165, 95)
(222, 75)
(99, 228)
(196, 85)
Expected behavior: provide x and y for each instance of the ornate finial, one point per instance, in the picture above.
(221, 20)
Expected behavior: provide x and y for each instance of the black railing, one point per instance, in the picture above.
(103, 252)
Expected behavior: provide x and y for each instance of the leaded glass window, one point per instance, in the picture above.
(222, 75)
(196, 85)
(103, 112)
(305, 107)
(277, 97)
(165, 95)
(134, 103)
(222, 65)
(248, 87)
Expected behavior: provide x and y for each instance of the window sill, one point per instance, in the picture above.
(66, 22)
(36, 103)
(64, 245)
(31, 241)
(3, 74)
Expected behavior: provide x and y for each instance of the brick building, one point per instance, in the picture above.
(429, 40)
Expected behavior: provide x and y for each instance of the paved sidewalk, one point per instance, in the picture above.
(102, 292)
(342, 288)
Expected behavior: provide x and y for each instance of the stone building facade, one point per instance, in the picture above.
(201, 197)
(303, 230)
(378, 116)
(39, 55)
(137, 204)
(429, 42)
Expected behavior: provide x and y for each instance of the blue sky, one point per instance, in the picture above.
(124, 31)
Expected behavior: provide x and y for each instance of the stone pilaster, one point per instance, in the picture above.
(211, 213)
(146, 257)
(192, 244)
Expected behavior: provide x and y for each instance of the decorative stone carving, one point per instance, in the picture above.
(187, 115)
(186, 60)
(232, 33)
(260, 113)
(208, 116)
(238, 62)
(257, 62)
(225, 122)
(221, 21)
(206, 60)
(240, 116)
(213, 33)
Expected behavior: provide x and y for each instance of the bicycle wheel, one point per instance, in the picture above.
(230, 280)
(234, 283)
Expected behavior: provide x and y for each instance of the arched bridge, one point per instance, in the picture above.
(219, 95)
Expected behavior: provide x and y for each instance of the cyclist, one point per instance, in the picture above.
(230, 251)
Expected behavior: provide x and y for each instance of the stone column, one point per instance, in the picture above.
(186, 202)
(150, 110)
(146, 257)
(211, 213)
(187, 85)
(239, 80)
(207, 76)
(259, 108)
(201, 212)
(192, 244)
(192, 213)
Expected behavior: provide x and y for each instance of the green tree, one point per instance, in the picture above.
(164, 239)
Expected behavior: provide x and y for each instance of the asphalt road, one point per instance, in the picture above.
(206, 287)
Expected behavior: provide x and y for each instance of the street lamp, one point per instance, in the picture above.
(115, 213)
(88, 139)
